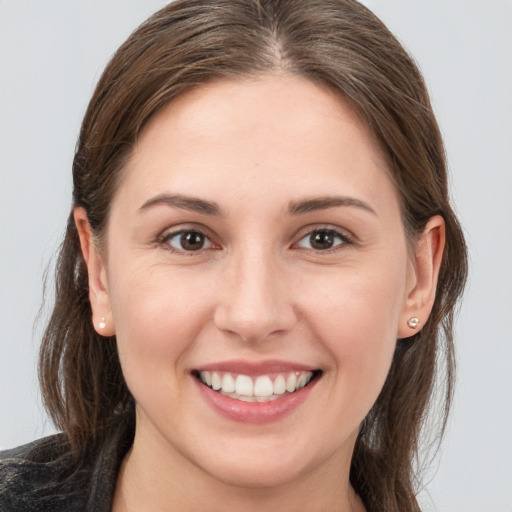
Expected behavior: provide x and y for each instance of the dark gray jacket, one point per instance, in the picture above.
(42, 476)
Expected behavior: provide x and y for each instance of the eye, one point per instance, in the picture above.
(322, 240)
(187, 241)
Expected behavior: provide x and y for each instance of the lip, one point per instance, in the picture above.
(253, 369)
(254, 412)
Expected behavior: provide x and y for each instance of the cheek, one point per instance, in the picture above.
(359, 302)
(157, 316)
(356, 319)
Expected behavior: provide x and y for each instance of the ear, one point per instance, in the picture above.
(423, 276)
(96, 269)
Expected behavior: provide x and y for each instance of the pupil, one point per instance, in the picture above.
(322, 240)
(192, 241)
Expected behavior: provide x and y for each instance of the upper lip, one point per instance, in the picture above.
(252, 368)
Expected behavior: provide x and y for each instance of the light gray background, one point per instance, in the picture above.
(51, 55)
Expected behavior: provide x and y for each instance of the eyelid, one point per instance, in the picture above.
(167, 234)
(346, 236)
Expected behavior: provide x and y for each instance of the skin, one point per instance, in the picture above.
(257, 290)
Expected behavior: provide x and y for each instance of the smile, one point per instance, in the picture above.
(261, 388)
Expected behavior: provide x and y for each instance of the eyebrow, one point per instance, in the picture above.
(192, 204)
(204, 207)
(323, 203)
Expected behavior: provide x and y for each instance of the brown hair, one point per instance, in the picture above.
(338, 43)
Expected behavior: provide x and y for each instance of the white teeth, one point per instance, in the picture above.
(216, 382)
(263, 386)
(228, 383)
(302, 381)
(279, 385)
(207, 378)
(262, 389)
(244, 385)
(291, 382)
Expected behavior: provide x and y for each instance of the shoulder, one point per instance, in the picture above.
(43, 476)
(42, 450)
(38, 476)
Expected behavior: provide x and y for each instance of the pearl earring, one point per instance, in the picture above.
(102, 323)
(413, 322)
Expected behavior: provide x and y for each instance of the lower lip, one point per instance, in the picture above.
(254, 412)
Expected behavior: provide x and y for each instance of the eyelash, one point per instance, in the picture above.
(344, 237)
(165, 239)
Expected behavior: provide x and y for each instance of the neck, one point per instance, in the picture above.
(165, 481)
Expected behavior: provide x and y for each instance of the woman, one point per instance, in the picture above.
(258, 276)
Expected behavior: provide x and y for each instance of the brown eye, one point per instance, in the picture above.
(188, 241)
(322, 240)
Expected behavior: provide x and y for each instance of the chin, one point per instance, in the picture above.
(265, 464)
(257, 474)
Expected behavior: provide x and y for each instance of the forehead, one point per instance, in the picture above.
(278, 130)
(253, 105)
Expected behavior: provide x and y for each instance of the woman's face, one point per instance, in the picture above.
(255, 243)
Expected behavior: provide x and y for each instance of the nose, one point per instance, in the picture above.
(254, 301)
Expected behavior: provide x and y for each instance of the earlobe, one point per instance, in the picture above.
(96, 270)
(426, 264)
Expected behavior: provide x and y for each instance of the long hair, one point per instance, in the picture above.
(337, 43)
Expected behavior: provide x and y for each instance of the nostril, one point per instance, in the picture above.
(253, 330)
